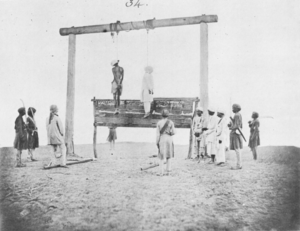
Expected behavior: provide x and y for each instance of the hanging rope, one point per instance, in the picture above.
(117, 45)
(112, 36)
(114, 28)
(132, 26)
(147, 46)
(148, 24)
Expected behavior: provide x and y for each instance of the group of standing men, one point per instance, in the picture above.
(27, 136)
(210, 136)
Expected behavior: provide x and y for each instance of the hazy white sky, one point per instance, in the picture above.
(254, 50)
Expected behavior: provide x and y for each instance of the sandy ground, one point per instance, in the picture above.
(114, 194)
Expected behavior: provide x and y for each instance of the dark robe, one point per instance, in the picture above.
(254, 140)
(33, 138)
(20, 142)
(236, 141)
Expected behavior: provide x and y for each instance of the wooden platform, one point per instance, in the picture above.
(132, 112)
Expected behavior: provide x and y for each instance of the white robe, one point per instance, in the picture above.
(210, 135)
(55, 131)
(147, 85)
(211, 128)
(221, 135)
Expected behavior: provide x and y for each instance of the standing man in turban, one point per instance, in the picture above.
(210, 133)
(220, 138)
(254, 140)
(20, 142)
(236, 142)
(199, 145)
(33, 138)
(56, 139)
(116, 84)
(165, 129)
(147, 90)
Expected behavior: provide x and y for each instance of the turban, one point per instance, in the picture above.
(255, 114)
(114, 62)
(199, 108)
(149, 69)
(236, 106)
(53, 108)
(165, 113)
(31, 111)
(22, 111)
(211, 109)
(221, 111)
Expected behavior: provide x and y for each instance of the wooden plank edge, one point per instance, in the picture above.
(70, 163)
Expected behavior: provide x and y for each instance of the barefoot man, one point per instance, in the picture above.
(210, 133)
(20, 142)
(116, 84)
(254, 140)
(165, 129)
(236, 142)
(199, 145)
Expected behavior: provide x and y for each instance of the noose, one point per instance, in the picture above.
(148, 25)
(117, 45)
(113, 29)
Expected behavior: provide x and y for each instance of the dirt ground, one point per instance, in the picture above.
(114, 194)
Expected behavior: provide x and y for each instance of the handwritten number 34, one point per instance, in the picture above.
(130, 3)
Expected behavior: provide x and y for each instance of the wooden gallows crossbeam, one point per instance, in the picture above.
(148, 24)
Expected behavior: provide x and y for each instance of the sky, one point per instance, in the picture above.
(254, 50)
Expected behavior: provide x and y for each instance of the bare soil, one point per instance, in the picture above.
(114, 194)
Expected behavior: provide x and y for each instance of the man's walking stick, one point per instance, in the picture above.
(25, 109)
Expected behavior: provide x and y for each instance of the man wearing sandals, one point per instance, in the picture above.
(165, 129)
(56, 137)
